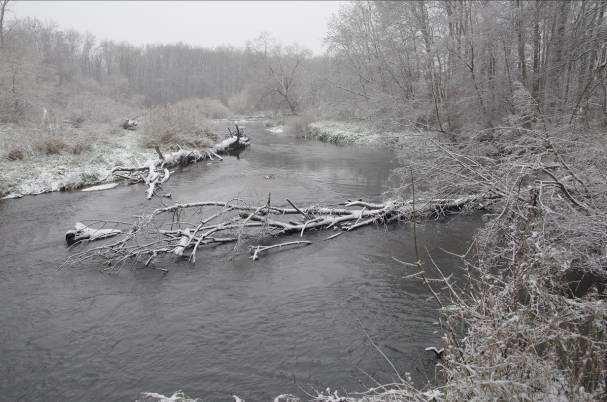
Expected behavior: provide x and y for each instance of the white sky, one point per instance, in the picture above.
(205, 23)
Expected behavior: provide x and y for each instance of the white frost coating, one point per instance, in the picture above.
(69, 172)
(66, 171)
(178, 396)
(343, 133)
(433, 394)
(286, 398)
(338, 132)
(276, 130)
(226, 143)
(100, 187)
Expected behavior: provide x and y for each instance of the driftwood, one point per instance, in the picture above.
(155, 173)
(82, 232)
(183, 229)
(100, 187)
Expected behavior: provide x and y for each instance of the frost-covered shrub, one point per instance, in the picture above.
(337, 132)
(530, 322)
(50, 146)
(181, 123)
(16, 153)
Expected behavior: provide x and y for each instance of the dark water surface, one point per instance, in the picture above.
(225, 325)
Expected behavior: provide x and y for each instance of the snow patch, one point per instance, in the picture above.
(100, 187)
(359, 133)
(178, 396)
(276, 130)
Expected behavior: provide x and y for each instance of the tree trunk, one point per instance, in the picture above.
(3, 4)
(555, 68)
(521, 42)
(536, 53)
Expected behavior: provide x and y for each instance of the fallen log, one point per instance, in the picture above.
(231, 144)
(82, 232)
(184, 229)
(158, 171)
(100, 187)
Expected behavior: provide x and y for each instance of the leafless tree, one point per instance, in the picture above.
(3, 9)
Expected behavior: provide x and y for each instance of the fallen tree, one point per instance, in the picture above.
(82, 232)
(155, 173)
(183, 229)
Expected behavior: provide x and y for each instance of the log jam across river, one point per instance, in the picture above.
(226, 325)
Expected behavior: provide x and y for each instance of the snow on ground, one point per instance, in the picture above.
(178, 396)
(47, 173)
(338, 132)
(360, 133)
(276, 130)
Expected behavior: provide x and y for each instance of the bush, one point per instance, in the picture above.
(300, 125)
(181, 123)
(16, 153)
(50, 146)
(210, 108)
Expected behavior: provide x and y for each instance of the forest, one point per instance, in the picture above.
(451, 66)
(508, 104)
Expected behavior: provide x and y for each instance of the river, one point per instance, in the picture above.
(293, 320)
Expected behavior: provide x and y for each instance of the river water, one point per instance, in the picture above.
(292, 321)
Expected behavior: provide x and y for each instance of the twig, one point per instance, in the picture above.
(258, 249)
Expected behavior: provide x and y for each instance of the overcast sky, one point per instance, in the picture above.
(203, 23)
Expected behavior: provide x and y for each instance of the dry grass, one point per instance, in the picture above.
(16, 153)
(50, 146)
(65, 120)
(182, 123)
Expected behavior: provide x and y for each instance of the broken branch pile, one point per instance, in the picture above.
(183, 229)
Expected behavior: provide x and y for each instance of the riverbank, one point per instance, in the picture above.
(41, 173)
(100, 148)
(350, 133)
(529, 323)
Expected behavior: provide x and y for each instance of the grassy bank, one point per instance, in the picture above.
(347, 132)
(45, 172)
(68, 155)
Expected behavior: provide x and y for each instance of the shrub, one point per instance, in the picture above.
(210, 108)
(181, 123)
(16, 153)
(50, 146)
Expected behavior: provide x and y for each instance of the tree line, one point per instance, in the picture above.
(463, 61)
(444, 65)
